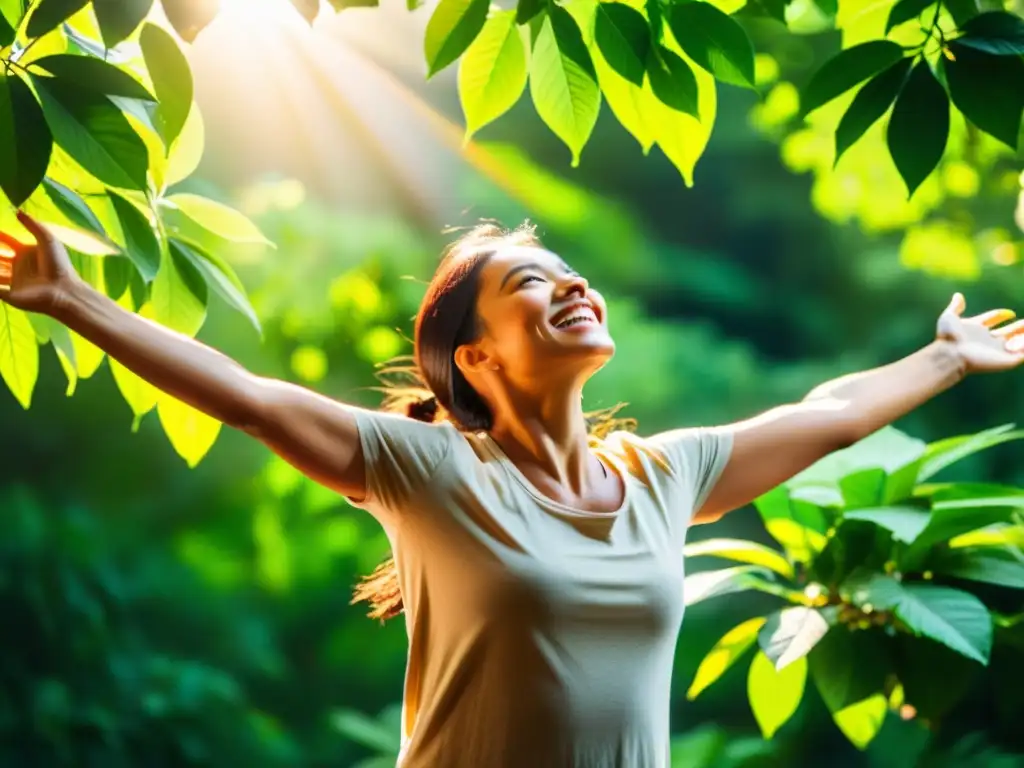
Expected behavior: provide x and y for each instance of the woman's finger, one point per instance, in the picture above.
(39, 232)
(1013, 329)
(994, 317)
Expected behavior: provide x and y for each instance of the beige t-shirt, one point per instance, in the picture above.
(540, 636)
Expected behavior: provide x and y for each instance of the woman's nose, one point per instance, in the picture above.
(574, 284)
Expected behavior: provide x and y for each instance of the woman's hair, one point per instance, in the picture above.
(429, 387)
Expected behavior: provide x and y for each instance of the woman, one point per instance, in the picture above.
(540, 569)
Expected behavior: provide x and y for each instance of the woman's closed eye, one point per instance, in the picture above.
(528, 278)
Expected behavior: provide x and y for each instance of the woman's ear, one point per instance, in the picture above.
(472, 358)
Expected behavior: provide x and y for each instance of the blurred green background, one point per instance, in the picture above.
(202, 615)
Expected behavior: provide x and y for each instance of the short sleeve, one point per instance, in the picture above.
(402, 456)
(697, 456)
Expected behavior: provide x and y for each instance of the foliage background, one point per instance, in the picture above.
(173, 615)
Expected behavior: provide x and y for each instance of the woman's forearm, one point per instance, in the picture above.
(172, 362)
(877, 397)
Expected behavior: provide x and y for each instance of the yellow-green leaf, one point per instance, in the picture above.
(88, 357)
(563, 83)
(680, 136)
(19, 353)
(775, 696)
(742, 552)
(191, 432)
(862, 721)
(218, 218)
(452, 27)
(187, 150)
(492, 74)
(725, 653)
(179, 295)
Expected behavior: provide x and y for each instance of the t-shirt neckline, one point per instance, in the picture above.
(610, 462)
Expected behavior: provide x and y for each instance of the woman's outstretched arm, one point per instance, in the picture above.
(316, 434)
(773, 447)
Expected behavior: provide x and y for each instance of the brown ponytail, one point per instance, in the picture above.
(429, 387)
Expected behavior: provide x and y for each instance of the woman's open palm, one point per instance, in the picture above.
(982, 343)
(32, 276)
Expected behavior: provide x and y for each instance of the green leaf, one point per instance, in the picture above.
(191, 432)
(73, 207)
(624, 39)
(849, 670)
(905, 10)
(702, 586)
(871, 102)
(1001, 566)
(190, 17)
(775, 695)
(791, 633)
(493, 73)
(944, 453)
(527, 9)
(218, 218)
(995, 32)
(724, 654)
(19, 354)
(59, 336)
(117, 19)
(954, 518)
(25, 141)
(141, 243)
(987, 90)
(954, 618)
(50, 14)
(961, 11)
(94, 133)
(563, 82)
(919, 126)
(172, 80)
(846, 69)
(8, 31)
(905, 523)
(186, 152)
(341, 5)
(220, 277)
(451, 29)
(117, 275)
(672, 81)
(714, 40)
(991, 536)
(741, 551)
(12, 12)
(179, 294)
(932, 695)
(95, 75)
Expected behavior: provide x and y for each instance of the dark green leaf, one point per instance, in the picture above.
(791, 633)
(73, 207)
(848, 667)
(961, 10)
(672, 80)
(846, 69)
(7, 32)
(453, 26)
(828, 7)
(996, 32)
(944, 453)
(527, 9)
(932, 695)
(905, 10)
(220, 276)
(94, 132)
(117, 275)
(12, 12)
(117, 19)
(25, 140)
(94, 74)
(919, 126)
(776, 9)
(905, 523)
(190, 17)
(870, 103)
(141, 243)
(655, 19)
(172, 80)
(1003, 566)
(49, 14)
(988, 90)
(863, 488)
(624, 39)
(341, 5)
(954, 618)
(715, 41)
(308, 9)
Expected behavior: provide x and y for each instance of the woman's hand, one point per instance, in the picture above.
(34, 277)
(980, 343)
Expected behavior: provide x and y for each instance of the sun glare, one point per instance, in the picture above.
(260, 11)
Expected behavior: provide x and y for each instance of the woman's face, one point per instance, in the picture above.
(540, 318)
